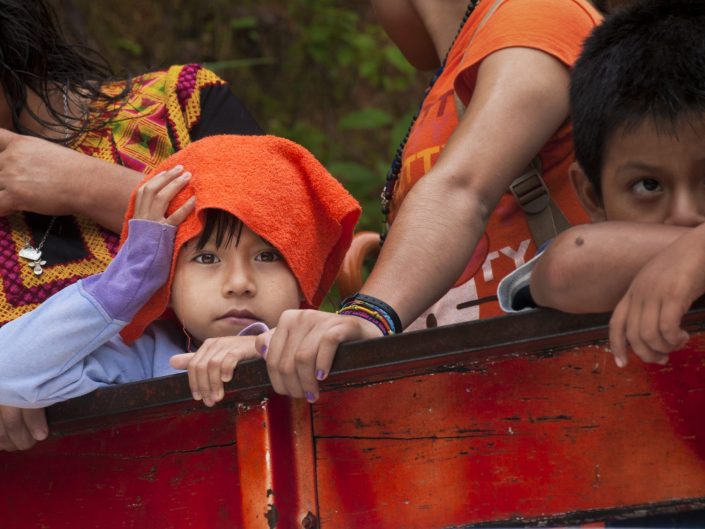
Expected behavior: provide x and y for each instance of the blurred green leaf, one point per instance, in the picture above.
(243, 22)
(129, 45)
(397, 59)
(365, 119)
(350, 171)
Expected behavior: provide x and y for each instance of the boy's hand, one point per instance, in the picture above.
(213, 365)
(300, 351)
(649, 315)
(153, 197)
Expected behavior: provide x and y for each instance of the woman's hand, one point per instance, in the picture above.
(213, 365)
(153, 197)
(300, 351)
(39, 176)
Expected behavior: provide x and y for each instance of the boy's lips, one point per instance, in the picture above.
(238, 316)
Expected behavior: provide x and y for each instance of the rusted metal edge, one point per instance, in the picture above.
(597, 515)
(469, 344)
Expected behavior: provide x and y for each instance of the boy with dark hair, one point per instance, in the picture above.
(638, 110)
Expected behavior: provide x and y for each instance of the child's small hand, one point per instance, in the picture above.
(649, 315)
(153, 197)
(213, 365)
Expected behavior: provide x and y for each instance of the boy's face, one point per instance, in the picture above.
(650, 175)
(220, 291)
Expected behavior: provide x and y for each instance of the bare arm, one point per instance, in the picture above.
(589, 268)
(520, 99)
(43, 177)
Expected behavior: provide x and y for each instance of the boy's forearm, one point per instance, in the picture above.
(588, 268)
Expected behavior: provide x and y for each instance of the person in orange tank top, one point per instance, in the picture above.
(499, 99)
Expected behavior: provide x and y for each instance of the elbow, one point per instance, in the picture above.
(556, 279)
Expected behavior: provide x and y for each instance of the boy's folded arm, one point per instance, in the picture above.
(49, 354)
(588, 268)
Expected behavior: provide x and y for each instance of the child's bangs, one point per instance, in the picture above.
(221, 227)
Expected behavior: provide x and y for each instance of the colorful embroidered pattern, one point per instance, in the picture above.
(149, 126)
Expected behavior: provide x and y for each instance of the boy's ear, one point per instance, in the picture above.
(587, 194)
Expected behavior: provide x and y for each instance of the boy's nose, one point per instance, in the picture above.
(685, 211)
(239, 281)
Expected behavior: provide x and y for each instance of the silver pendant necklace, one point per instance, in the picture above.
(30, 253)
(34, 255)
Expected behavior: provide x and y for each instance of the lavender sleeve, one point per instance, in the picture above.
(70, 345)
(137, 272)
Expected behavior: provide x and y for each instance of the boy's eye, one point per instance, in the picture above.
(646, 185)
(268, 256)
(206, 258)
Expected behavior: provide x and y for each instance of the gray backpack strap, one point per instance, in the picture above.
(543, 215)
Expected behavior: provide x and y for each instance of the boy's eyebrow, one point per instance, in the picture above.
(637, 164)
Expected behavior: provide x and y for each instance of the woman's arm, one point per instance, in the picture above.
(42, 177)
(520, 100)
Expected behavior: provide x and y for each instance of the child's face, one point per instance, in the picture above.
(651, 175)
(219, 291)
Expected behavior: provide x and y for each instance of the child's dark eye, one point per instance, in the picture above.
(206, 258)
(646, 185)
(268, 257)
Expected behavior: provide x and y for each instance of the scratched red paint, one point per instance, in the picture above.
(522, 438)
(177, 472)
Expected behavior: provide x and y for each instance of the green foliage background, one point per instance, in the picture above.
(320, 72)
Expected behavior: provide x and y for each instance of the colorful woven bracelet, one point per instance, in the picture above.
(375, 314)
(378, 307)
(350, 311)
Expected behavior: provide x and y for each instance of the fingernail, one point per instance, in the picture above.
(197, 396)
(619, 361)
(310, 397)
(185, 176)
(177, 168)
(263, 351)
(320, 374)
(40, 434)
(219, 395)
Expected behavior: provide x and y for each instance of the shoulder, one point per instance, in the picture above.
(523, 12)
(557, 27)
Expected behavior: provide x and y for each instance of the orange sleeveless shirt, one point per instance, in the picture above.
(556, 27)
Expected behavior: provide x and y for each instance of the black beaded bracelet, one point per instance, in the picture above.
(376, 304)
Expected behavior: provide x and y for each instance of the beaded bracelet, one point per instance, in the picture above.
(366, 307)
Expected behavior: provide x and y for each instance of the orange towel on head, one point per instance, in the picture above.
(280, 191)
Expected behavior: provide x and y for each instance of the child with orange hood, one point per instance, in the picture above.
(221, 238)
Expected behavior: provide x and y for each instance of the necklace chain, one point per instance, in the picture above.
(28, 252)
(395, 168)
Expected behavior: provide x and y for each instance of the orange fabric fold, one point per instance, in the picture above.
(279, 190)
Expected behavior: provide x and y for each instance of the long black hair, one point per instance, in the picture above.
(35, 55)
